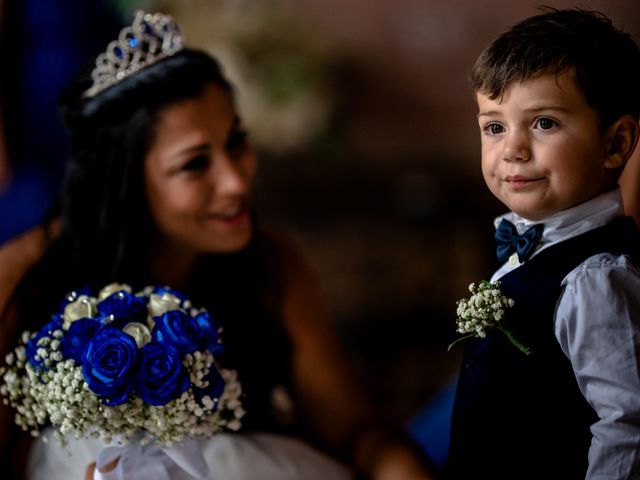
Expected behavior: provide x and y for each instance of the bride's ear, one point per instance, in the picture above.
(622, 137)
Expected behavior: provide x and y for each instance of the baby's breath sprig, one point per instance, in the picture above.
(485, 309)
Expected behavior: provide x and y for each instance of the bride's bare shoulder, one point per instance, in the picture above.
(31, 244)
(19, 254)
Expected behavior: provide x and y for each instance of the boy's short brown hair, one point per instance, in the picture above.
(605, 60)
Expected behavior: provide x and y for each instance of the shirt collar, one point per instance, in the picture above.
(573, 221)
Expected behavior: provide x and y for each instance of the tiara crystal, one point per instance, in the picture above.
(150, 38)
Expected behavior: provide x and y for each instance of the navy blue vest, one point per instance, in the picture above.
(519, 416)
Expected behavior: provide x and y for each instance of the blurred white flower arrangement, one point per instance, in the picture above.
(281, 70)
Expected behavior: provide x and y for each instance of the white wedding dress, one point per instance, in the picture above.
(244, 456)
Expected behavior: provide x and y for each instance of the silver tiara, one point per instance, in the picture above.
(151, 37)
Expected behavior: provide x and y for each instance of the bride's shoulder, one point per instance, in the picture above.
(19, 254)
(30, 245)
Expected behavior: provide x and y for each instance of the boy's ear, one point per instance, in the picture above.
(622, 137)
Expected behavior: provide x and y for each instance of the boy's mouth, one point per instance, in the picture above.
(518, 181)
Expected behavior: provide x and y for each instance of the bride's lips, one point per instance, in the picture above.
(230, 217)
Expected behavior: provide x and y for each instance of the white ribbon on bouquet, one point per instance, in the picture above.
(229, 456)
(153, 462)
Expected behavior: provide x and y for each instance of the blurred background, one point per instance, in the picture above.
(366, 129)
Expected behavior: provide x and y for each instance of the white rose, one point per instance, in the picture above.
(159, 304)
(113, 288)
(83, 307)
(139, 332)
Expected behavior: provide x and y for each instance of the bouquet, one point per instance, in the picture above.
(127, 368)
(485, 309)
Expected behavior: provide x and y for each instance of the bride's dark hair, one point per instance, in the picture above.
(104, 208)
(106, 224)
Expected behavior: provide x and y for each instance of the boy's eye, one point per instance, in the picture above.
(494, 128)
(545, 123)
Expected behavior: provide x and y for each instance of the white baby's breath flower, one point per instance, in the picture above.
(10, 359)
(484, 310)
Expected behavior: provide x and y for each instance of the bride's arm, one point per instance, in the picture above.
(17, 256)
(328, 391)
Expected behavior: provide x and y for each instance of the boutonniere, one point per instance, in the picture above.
(485, 309)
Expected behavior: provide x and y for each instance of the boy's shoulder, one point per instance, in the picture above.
(612, 273)
(616, 244)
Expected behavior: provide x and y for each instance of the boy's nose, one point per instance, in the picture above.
(516, 147)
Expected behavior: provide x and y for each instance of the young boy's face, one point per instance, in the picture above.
(543, 149)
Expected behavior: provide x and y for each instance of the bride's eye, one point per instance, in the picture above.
(196, 163)
(237, 140)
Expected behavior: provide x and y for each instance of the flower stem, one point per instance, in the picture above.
(524, 349)
(459, 340)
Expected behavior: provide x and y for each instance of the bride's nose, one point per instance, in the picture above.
(229, 176)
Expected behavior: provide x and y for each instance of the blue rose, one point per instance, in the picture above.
(211, 333)
(76, 339)
(161, 376)
(124, 307)
(179, 329)
(46, 331)
(110, 364)
(215, 387)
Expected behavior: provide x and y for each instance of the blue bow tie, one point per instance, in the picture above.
(508, 241)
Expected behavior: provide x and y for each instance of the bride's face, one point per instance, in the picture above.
(198, 176)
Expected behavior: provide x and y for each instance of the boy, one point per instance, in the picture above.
(558, 97)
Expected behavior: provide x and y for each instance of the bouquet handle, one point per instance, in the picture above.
(152, 462)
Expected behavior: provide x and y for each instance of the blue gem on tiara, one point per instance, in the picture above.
(150, 38)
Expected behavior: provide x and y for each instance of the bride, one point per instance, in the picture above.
(158, 191)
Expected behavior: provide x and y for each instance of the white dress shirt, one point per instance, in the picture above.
(597, 324)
